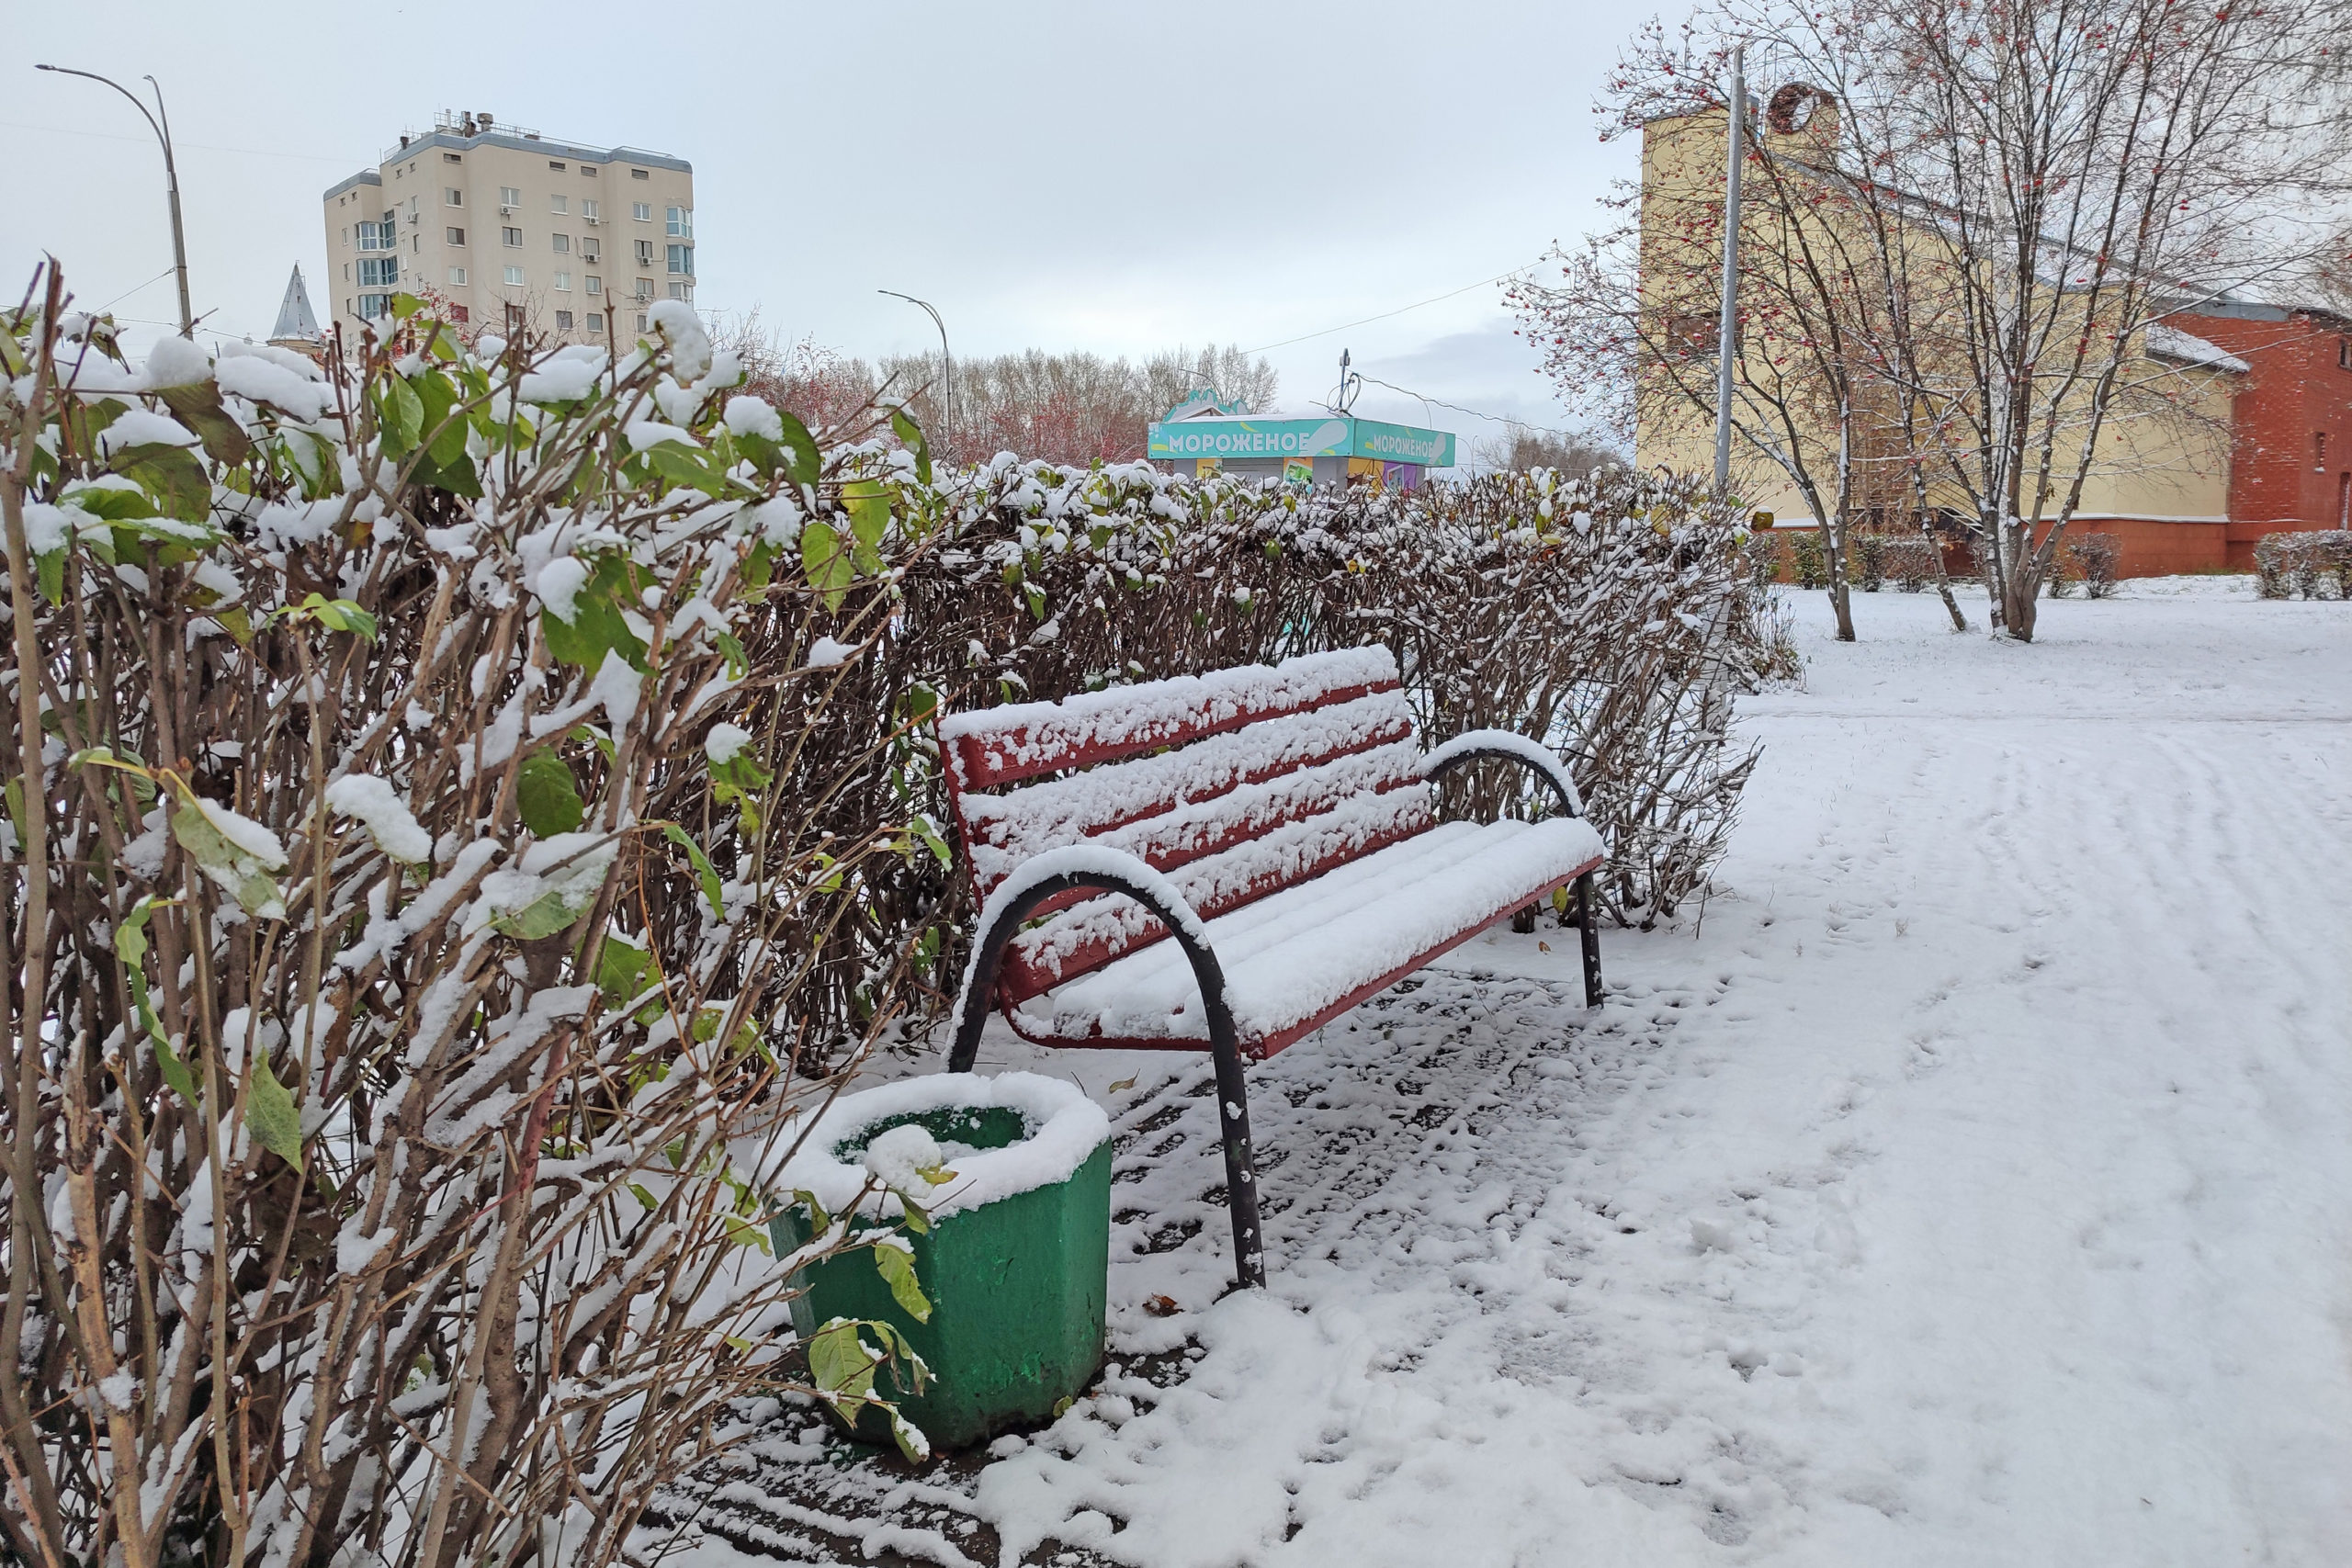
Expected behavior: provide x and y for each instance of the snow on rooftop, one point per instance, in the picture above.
(2171, 343)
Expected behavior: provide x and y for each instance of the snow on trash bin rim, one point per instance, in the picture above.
(1063, 1127)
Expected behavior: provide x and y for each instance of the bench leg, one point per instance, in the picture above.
(1240, 1168)
(1588, 930)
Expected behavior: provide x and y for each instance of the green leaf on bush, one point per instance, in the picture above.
(270, 1115)
(908, 431)
(170, 474)
(807, 463)
(869, 520)
(339, 615)
(228, 864)
(406, 305)
(401, 415)
(839, 1364)
(548, 795)
(596, 627)
(541, 918)
(703, 869)
(51, 570)
(897, 1267)
(198, 406)
(816, 1215)
(130, 947)
(622, 967)
(825, 563)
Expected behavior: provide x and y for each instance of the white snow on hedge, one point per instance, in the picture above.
(145, 427)
(384, 814)
(1063, 1127)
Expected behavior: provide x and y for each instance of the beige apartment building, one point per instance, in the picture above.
(507, 229)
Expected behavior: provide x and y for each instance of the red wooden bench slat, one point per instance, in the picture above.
(1001, 746)
(995, 824)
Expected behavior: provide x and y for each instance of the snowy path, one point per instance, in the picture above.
(1972, 1188)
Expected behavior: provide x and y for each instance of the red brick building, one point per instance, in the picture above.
(2291, 462)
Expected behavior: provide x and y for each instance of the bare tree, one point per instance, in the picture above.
(1525, 448)
(2023, 189)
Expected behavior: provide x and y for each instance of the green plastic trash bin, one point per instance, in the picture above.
(1016, 1260)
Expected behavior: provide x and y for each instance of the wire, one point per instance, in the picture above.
(1476, 413)
(135, 288)
(201, 146)
(1400, 309)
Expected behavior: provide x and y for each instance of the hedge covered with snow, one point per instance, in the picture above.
(457, 796)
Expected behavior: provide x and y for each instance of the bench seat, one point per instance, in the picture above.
(1300, 957)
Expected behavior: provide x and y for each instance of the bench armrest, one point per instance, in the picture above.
(1061, 870)
(1505, 743)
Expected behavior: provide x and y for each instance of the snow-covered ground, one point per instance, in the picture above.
(1970, 1187)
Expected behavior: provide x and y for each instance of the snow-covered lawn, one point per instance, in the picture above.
(1972, 1186)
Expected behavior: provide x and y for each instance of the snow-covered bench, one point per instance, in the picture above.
(1277, 821)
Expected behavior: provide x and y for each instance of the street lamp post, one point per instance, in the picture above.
(171, 176)
(949, 398)
(1727, 340)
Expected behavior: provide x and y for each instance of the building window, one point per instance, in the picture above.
(588, 171)
(596, 284)
(377, 236)
(681, 291)
(641, 321)
(562, 243)
(644, 253)
(590, 247)
(2344, 352)
(509, 198)
(558, 204)
(378, 273)
(563, 320)
(563, 281)
(513, 238)
(682, 261)
(452, 196)
(595, 321)
(644, 289)
(681, 222)
(457, 278)
(588, 208)
(640, 174)
(374, 306)
(2344, 500)
(514, 278)
(459, 314)
(453, 157)
(514, 319)
(643, 212)
(555, 165)
(2319, 440)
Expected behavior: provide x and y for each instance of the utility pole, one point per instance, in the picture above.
(1728, 339)
(171, 176)
(948, 397)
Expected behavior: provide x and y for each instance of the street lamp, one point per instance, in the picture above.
(950, 398)
(171, 176)
(1727, 329)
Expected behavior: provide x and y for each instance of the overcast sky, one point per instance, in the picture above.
(1117, 177)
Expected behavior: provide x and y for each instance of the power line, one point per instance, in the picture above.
(1400, 309)
(1475, 413)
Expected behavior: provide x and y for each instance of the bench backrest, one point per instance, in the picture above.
(1236, 783)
